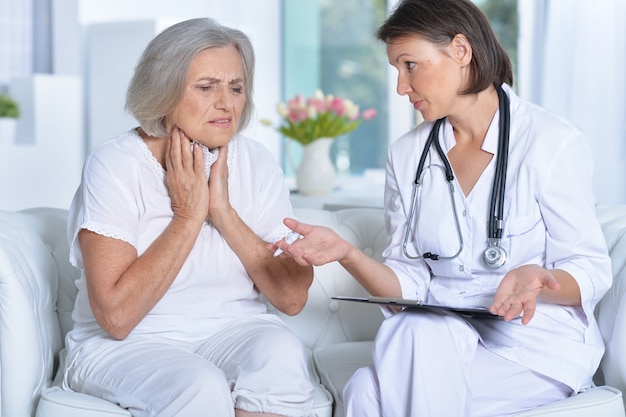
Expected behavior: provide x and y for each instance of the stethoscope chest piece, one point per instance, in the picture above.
(494, 256)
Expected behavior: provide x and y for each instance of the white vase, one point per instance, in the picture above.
(316, 173)
(7, 129)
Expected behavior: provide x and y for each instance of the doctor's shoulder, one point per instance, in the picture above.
(546, 129)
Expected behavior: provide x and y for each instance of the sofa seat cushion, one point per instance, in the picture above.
(602, 401)
(59, 403)
(336, 363)
(323, 401)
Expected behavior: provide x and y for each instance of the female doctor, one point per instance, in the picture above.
(510, 226)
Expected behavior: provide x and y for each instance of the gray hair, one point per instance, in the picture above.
(160, 76)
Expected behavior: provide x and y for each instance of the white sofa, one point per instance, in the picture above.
(37, 292)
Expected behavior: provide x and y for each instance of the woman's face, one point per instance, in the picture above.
(431, 76)
(213, 97)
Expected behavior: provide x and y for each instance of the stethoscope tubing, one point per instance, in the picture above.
(496, 204)
(409, 227)
(496, 207)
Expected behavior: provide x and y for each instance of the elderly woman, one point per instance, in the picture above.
(173, 227)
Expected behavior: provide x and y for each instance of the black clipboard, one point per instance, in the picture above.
(478, 313)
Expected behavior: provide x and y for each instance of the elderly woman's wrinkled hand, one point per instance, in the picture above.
(186, 178)
(219, 202)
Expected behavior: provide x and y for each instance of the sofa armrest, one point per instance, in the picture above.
(611, 311)
(29, 328)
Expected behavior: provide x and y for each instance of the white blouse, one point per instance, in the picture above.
(549, 220)
(123, 195)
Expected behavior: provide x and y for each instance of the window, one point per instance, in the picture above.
(502, 15)
(331, 45)
(25, 39)
(16, 40)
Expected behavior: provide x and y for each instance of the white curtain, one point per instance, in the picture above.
(572, 60)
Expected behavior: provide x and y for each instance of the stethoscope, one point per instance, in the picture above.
(494, 256)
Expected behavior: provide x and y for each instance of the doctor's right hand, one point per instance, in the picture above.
(319, 245)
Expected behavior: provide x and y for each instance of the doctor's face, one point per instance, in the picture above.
(213, 97)
(427, 73)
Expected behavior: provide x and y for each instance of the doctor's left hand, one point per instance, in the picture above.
(518, 292)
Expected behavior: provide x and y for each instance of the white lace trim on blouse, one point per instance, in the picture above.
(109, 231)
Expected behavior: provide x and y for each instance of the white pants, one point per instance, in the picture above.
(254, 364)
(432, 365)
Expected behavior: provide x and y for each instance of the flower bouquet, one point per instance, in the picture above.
(320, 116)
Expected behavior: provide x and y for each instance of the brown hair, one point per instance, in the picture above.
(439, 21)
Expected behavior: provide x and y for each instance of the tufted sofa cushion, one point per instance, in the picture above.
(324, 321)
(37, 293)
(339, 333)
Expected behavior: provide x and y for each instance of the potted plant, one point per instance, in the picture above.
(9, 112)
(314, 122)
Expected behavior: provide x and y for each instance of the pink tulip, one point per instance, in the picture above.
(297, 115)
(317, 104)
(295, 102)
(369, 114)
(337, 106)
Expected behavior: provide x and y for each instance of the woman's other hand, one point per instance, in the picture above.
(219, 203)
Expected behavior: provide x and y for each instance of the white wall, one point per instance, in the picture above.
(259, 19)
(112, 49)
(572, 56)
(42, 166)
